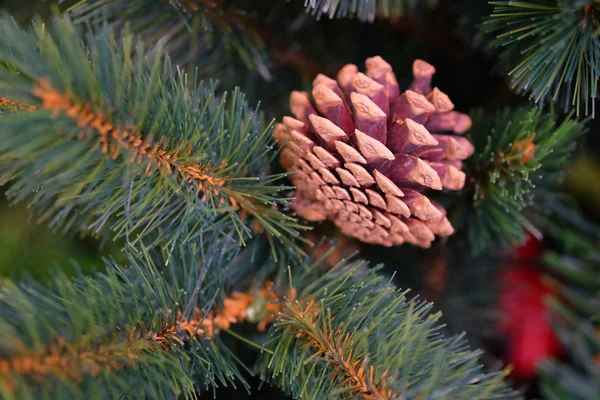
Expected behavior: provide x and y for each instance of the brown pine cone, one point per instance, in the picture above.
(364, 153)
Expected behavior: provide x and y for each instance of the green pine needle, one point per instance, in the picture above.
(550, 49)
(122, 140)
(351, 334)
(107, 336)
(518, 161)
(209, 34)
(578, 321)
(364, 10)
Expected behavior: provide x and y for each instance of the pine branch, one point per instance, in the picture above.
(518, 162)
(364, 10)
(7, 105)
(578, 324)
(551, 48)
(208, 33)
(120, 139)
(149, 330)
(65, 361)
(350, 334)
(333, 347)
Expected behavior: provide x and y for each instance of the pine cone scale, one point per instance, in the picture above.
(364, 153)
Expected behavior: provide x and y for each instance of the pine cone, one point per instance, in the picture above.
(364, 153)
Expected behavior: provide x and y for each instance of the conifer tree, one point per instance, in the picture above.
(206, 140)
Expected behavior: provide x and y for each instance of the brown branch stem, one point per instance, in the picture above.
(61, 359)
(113, 141)
(334, 348)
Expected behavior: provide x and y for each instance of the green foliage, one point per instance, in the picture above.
(470, 299)
(362, 337)
(104, 328)
(209, 34)
(550, 48)
(364, 10)
(97, 336)
(118, 139)
(518, 161)
(29, 249)
(341, 332)
(578, 310)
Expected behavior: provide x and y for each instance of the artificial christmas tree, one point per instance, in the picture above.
(241, 252)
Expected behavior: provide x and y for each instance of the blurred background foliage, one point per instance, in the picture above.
(29, 248)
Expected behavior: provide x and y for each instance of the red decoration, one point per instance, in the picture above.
(525, 320)
(529, 252)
